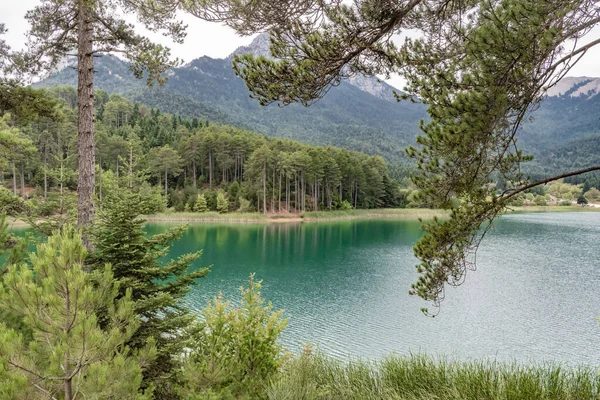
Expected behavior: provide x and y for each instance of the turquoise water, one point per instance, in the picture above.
(344, 286)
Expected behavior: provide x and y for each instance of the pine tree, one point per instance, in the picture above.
(236, 350)
(68, 355)
(222, 203)
(201, 206)
(157, 288)
(92, 29)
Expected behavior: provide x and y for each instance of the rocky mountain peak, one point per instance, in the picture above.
(573, 86)
(259, 46)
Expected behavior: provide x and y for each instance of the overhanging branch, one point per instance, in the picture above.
(508, 194)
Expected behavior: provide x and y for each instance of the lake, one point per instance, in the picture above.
(344, 286)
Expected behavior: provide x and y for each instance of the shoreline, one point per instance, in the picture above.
(324, 216)
(320, 216)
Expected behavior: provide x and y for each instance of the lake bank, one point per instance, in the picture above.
(340, 215)
(311, 216)
(325, 216)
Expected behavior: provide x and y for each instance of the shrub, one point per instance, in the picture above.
(234, 353)
(245, 205)
(222, 203)
(345, 205)
(201, 205)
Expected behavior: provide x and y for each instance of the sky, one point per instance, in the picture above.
(218, 41)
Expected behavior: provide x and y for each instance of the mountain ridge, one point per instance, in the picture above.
(360, 114)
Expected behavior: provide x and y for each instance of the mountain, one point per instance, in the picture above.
(360, 114)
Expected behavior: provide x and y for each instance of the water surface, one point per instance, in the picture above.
(344, 286)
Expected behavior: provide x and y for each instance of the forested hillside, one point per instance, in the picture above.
(360, 115)
(197, 165)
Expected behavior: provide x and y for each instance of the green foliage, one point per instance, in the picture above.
(245, 205)
(418, 377)
(540, 201)
(592, 195)
(156, 288)
(222, 203)
(201, 205)
(69, 354)
(234, 352)
(10, 204)
(345, 205)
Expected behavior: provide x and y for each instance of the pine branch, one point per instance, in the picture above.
(507, 194)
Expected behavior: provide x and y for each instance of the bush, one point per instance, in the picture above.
(234, 353)
(540, 201)
(201, 205)
(222, 203)
(345, 205)
(245, 205)
(9, 203)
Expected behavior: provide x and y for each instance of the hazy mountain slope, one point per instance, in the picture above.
(359, 114)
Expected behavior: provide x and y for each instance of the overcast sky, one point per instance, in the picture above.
(217, 41)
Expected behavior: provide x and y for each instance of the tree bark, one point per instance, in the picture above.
(14, 179)
(85, 126)
(130, 168)
(22, 179)
(46, 171)
(194, 172)
(280, 172)
(265, 188)
(166, 182)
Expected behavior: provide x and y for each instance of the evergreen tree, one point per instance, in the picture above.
(222, 203)
(68, 355)
(201, 206)
(157, 288)
(235, 351)
(94, 28)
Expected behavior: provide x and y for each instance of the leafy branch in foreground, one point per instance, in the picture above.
(68, 355)
(481, 79)
(482, 67)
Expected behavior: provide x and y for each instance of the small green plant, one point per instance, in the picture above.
(235, 351)
(245, 205)
(345, 205)
(222, 203)
(201, 206)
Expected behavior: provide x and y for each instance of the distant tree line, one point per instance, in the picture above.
(138, 146)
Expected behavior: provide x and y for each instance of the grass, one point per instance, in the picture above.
(418, 377)
(412, 213)
(207, 216)
(554, 209)
(409, 213)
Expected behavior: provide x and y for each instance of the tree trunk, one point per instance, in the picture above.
(194, 172)
(210, 168)
(166, 182)
(22, 179)
(46, 171)
(279, 208)
(265, 188)
(273, 191)
(130, 168)
(85, 126)
(14, 179)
